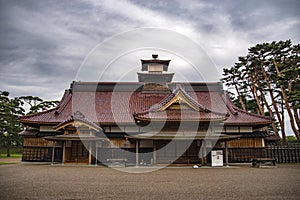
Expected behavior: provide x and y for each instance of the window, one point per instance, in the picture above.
(155, 68)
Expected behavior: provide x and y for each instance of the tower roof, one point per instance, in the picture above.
(154, 60)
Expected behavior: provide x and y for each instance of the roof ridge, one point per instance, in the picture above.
(64, 103)
(234, 107)
(178, 89)
(63, 97)
(197, 103)
(227, 99)
(193, 100)
(50, 110)
(252, 114)
(36, 114)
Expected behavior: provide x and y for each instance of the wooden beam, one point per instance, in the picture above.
(154, 153)
(90, 153)
(96, 153)
(64, 152)
(200, 156)
(137, 144)
(226, 154)
(53, 151)
(204, 160)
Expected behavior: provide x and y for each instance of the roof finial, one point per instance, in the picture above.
(154, 56)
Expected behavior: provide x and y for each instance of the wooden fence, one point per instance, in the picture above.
(41, 154)
(284, 153)
(240, 155)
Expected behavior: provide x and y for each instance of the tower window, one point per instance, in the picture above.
(155, 68)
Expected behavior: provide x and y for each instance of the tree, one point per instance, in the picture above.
(10, 109)
(233, 77)
(37, 104)
(281, 58)
(258, 56)
(271, 72)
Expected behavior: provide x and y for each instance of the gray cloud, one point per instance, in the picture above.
(43, 43)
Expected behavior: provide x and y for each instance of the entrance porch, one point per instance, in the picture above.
(180, 148)
(76, 149)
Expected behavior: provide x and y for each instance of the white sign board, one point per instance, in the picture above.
(216, 158)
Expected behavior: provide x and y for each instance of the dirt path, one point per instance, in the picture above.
(10, 160)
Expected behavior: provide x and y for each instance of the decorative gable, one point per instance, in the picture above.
(76, 121)
(180, 101)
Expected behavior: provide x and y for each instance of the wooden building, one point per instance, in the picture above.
(150, 122)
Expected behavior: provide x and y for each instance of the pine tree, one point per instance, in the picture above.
(271, 72)
(10, 109)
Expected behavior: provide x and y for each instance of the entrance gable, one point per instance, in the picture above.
(77, 121)
(179, 99)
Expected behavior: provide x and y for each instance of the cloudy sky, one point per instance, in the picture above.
(46, 44)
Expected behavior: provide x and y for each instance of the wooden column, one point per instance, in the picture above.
(226, 154)
(53, 151)
(137, 144)
(154, 153)
(199, 143)
(90, 152)
(64, 152)
(96, 153)
(204, 153)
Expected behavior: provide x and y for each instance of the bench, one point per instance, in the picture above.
(263, 162)
(117, 161)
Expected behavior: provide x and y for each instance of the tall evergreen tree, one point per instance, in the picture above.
(271, 72)
(10, 109)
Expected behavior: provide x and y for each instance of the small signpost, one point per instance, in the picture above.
(217, 158)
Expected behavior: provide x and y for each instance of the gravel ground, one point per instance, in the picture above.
(23, 181)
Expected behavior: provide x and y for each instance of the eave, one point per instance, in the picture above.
(176, 136)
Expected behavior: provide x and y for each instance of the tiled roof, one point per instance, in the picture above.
(54, 115)
(169, 97)
(164, 62)
(48, 133)
(238, 116)
(74, 137)
(183, 136)
(255, 134)
(28, 132)
(182, 115)
(38, 133)
(110, 107)
(197, 111)
(272, 137)
(75, 118)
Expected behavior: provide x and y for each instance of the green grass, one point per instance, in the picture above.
(11, 155)
(13, 150)
(7, 163)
